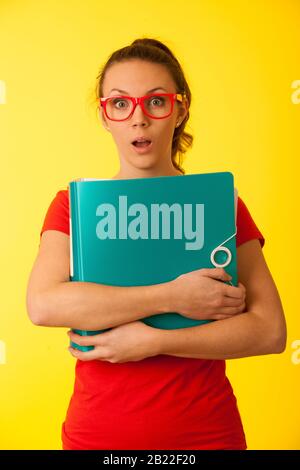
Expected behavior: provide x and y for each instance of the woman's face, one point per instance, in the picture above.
(137, 78)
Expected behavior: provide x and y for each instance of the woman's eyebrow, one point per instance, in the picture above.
(149, 91)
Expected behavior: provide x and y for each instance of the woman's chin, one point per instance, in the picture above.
(144, 161)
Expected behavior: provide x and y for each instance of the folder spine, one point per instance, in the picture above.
(76, 260)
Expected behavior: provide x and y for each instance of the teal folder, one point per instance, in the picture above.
(143, 231)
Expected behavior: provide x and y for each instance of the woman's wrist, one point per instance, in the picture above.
(164, 297)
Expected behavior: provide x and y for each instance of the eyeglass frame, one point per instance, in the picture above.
(173, 96)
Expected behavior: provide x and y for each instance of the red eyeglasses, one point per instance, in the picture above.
(156, 106)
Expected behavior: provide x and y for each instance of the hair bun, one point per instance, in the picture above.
(153, 43)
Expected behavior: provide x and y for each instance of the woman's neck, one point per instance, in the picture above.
(145, 174)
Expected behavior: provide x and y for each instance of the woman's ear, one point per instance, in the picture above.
(184, 109)
(103, 119)
(182, 112)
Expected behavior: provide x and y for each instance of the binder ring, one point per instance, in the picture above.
(217, 265)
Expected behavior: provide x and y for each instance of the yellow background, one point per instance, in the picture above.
(240, 59)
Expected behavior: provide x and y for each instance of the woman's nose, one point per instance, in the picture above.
(138, 114)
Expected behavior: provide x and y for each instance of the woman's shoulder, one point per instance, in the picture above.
(246, 226)
(57, 215)
(61, 199)
(63, 194)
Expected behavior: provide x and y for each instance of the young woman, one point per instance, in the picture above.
(142, 387)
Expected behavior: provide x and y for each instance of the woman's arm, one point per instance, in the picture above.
(53, 300)
(261, 329)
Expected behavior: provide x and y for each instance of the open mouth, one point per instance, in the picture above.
(144, 143)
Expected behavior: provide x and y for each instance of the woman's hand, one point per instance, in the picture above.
(129, 342)
(200, 295)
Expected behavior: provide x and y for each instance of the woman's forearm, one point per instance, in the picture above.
(92, 306)
(243, 335)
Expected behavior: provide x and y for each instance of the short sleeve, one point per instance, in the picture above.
(246, 227)
(57, 216)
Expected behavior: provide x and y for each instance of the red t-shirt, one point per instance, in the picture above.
(161, 402)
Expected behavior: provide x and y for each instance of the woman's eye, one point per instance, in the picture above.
(116, 102)
(157, 100)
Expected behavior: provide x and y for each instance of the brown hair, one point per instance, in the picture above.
(152, 50)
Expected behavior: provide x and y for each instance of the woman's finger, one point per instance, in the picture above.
(84, 340)
(233, 291)
(87, 355)
(229, 311)
(231, 301)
